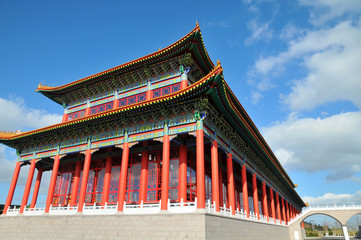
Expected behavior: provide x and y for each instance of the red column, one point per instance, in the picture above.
(283, 211)
(123, 176)
(287, 212)
(245, 190)
(115, 103)
(12, 187)
(87, 109)
(273, 210)
(231, 183)
(75, 185)
(183, 173)
(65, 117)
(144, 174)
(302, 225)
(36, 188)
(27, 186)
(201, 191)
(165, 172)
(108, 170)
(54, 174)
(215, 177)
(264, 201)
(278, 207)
(184, 81)
(255, 195)
(84, 179)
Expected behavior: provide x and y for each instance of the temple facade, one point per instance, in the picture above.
(162, 133)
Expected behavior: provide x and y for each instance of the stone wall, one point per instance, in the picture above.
(159, 226)
(218, 227)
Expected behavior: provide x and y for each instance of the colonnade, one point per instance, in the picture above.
(276, 207)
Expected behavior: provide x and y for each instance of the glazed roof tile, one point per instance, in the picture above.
(177, 48)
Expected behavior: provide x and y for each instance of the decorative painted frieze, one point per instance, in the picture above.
(102, 95)
(111, 142)
(73, 149)
(185, 129)
(46, 154)
(105, 100)
(145, 136)
(130, 93)
(134, 85)
(26, 157)
(73, 142)
(145, 127)
(107, 135)
(182, 120)
(166, 83)
(75, 109)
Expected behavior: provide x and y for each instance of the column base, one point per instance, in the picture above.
(45, 214)
(79, 213)
(119, 213)
(163, 211)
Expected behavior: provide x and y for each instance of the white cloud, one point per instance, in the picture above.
(331, 57)
(326, 10)
(331, 144)
(258, 32)
(19, 116)
(256, 96)
(334, 199)
(290, 31)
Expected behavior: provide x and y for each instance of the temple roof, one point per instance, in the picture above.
(192, 43)
(7, 138)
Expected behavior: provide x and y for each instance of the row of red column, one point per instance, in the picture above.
(288, 211)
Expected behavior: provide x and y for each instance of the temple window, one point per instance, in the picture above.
(75, 115)
(101, 108)
(132, 99)
(63, 185)
(165, 90)
(191, 177)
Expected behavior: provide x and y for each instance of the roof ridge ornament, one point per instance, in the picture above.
(218, 62)
(197, 24)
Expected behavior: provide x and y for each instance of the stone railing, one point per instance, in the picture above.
(145, 208)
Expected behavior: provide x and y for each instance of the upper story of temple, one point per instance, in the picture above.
(155, 75)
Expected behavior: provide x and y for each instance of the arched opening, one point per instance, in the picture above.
(321, 225)
(354, 226)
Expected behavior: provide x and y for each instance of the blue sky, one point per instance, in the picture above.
(294, 66)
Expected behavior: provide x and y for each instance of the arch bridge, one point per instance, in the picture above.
(340, 213)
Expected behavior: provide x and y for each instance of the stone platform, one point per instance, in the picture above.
(154, 226)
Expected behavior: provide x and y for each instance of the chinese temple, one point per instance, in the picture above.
(161, 134)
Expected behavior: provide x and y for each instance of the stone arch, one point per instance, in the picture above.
(354, 214)
(339, 227)
(321, 213)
